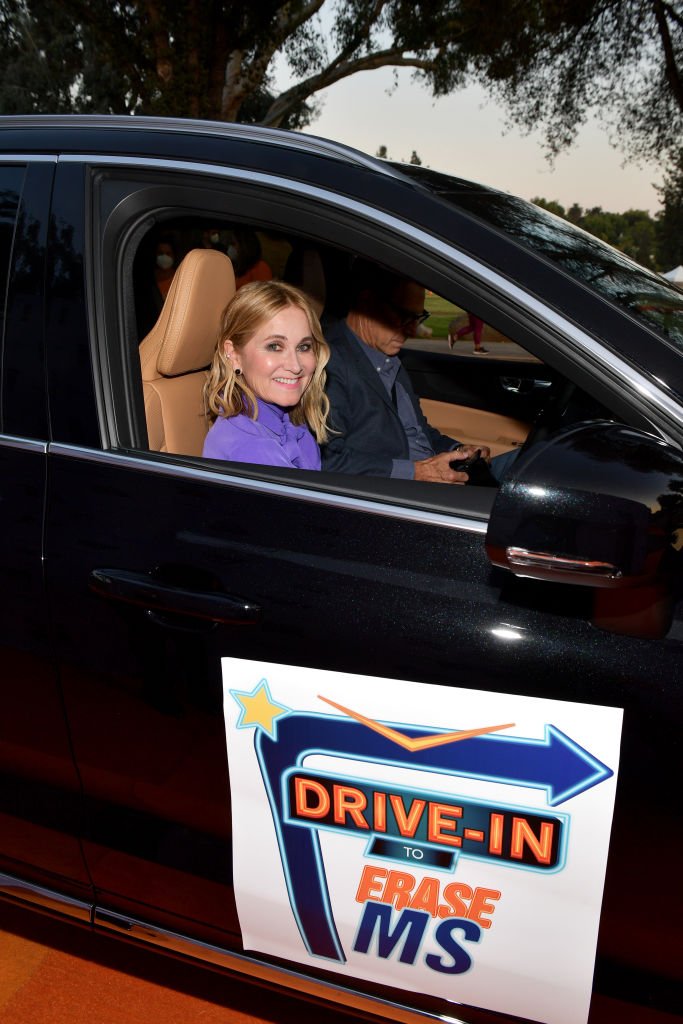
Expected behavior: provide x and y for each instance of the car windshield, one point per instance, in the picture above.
(607, 271)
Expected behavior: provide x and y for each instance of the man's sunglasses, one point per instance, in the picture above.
(406, 317)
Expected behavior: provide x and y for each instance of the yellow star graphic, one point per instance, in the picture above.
(259, 710)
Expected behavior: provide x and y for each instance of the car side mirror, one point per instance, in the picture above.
(597, 504)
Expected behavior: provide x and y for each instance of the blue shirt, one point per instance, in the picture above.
(419, 447)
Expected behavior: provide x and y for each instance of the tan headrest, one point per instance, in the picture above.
(184, 337)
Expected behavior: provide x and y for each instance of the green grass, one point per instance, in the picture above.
(442, 312)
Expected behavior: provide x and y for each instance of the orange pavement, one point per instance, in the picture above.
(54, 973)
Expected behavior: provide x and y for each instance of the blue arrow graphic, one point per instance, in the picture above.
(556, 764)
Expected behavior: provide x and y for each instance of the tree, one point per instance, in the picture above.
(214, 58)
(670, 217)
(551, 205)
(553, 62)
(639, 239)
(575, 213)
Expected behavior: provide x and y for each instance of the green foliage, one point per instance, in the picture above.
(574, 213)
(143, 57)
(554, 61)
(441, 313)
(550, 60)
(204, 58)
(551, 205)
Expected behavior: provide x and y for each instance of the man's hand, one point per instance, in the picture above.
(437, 469)
(466, 451)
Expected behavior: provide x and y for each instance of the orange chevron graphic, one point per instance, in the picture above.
(421, 742)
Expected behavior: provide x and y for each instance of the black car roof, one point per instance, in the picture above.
(220, 129)
(313, 145)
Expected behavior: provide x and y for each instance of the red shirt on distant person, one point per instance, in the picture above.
(259, 272)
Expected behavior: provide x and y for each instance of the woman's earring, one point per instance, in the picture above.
(238, 372)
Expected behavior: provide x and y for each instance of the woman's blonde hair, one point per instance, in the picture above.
(228, 394)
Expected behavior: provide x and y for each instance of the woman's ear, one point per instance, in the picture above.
(231, 353)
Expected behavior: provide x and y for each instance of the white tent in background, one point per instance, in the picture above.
(675, 275)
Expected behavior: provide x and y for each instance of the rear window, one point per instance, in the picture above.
(11, 182)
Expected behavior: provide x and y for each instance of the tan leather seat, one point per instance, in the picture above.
(180, 346)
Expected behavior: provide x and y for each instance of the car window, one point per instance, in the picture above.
(491, 398)
(460, 401)
(450, 328)
(11, 181)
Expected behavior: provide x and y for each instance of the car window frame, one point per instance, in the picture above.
(158, 188)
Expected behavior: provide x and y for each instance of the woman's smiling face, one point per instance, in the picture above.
(279, 360)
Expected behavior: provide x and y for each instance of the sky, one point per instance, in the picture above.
(464, 134)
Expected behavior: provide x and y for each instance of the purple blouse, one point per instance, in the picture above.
(271, 440)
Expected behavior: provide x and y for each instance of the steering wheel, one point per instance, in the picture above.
(550, 416)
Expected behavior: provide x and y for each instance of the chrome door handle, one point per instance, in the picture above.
(521, 558)
(522, 385)
(154, 595)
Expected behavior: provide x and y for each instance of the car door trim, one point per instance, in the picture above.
(147, 464)
(607, 359)
(28, 158)
(263, 972)
(23, 444)
(21, 891)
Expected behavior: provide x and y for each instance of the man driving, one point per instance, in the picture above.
(378, 426)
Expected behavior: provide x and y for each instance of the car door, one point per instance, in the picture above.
(39, 788)
(158, 567)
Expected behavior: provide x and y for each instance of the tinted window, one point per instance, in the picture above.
(11, 181)
(607, 271)
(463, 398)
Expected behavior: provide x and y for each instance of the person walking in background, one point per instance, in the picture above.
(474, 326)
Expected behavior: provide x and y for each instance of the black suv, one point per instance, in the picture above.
(356, 736)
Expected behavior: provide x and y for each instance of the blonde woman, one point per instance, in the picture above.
(265, 390)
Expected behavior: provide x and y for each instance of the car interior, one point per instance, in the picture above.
(493, 398)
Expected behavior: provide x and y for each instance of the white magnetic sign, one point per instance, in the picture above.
(434, 839)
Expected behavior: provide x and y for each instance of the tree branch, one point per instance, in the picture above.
(287, 24)
(672, 72)
(241, 79)
(292, 98)
(672, 12)
(361, 33)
